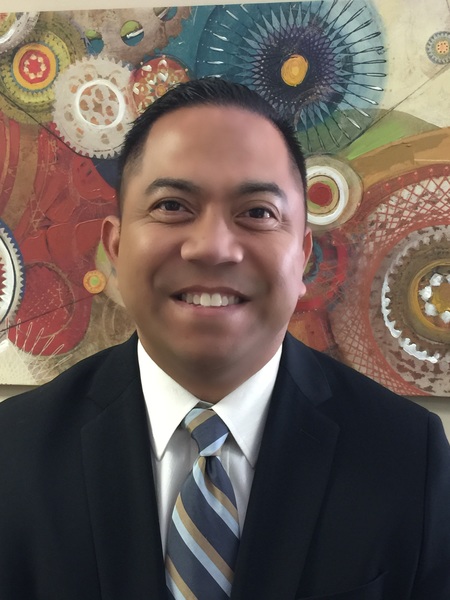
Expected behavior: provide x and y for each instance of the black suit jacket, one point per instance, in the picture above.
(350, 500)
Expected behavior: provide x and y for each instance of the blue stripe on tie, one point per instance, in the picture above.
(193, 573)
(173, 589)
(213, 502)
(200, 555)
(193, 414)
(212, 448)
(216, 472)
(213, 529)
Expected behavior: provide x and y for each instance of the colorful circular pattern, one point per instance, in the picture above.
(154, 77)
(334, 192)
(27, 74)
(34, 66)
(11, 274)
(92, 110)
(416, 295)
(321, 65)
(438, 47)
(94, 282)
(383, 319)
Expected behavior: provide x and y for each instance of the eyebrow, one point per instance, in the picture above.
(245, 189)
(170, 182)
(256, 187)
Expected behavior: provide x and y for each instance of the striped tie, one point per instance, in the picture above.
(204, 533)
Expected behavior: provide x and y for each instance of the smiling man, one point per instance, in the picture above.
(211, 245)
(213, 456)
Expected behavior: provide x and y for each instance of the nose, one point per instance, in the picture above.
(212, 239)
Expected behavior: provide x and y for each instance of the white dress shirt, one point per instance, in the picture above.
(173, 451)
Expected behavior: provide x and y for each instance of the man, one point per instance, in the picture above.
(342, 489)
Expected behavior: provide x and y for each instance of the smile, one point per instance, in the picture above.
(205, 299)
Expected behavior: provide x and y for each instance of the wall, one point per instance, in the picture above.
(440, 406)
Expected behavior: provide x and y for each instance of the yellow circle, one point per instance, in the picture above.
(294, 70)
(441, 297)
(424, 325)
(41, 49)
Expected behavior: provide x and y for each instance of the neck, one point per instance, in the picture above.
(208, 380)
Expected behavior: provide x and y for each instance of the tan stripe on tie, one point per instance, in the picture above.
(221, 497)
(181, 585)
(203, 542)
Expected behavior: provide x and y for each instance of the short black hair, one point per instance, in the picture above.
(212, 91)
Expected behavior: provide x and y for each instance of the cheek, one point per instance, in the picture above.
(294, 287)
(289, 268)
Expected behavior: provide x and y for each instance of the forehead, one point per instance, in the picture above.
(221, 139)
(223, 124)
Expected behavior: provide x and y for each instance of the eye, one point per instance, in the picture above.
(260, 213)
(170, 211)
(170, 206)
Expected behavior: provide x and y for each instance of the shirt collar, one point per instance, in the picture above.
(244, 411)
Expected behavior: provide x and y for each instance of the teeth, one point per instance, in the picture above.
(205, 299)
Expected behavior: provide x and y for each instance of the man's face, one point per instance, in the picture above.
(211, 247)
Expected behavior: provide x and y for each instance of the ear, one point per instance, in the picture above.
(307, 245)
(307, 249)
(111, 238)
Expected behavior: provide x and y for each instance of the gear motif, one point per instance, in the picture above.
(420, 318)
(438, 48)
(93, 110)
(156, 30)
(11, 274)
(14, 28)
(27, 74)
(153, 78)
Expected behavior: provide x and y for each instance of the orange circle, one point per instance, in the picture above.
(442, 47)
(94, 281)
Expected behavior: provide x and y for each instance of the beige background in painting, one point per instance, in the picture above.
(415, 81)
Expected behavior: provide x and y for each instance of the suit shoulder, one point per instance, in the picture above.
(348, 387)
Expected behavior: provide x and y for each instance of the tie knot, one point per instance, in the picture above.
(207, 429)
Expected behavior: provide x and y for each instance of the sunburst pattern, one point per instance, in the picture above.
(320, 64)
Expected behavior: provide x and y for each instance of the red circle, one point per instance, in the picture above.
(34, 66)
(320, 194)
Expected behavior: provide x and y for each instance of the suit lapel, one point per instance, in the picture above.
(119, 483)
(291, 477)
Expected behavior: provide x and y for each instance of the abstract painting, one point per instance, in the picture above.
(365, 84)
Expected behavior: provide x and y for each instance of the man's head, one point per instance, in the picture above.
(200, 92)
(211, 245)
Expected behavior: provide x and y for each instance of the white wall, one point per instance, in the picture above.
(439, 406)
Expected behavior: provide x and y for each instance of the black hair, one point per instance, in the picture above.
(211, 91)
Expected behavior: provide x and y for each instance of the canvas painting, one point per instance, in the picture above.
(365, 84)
